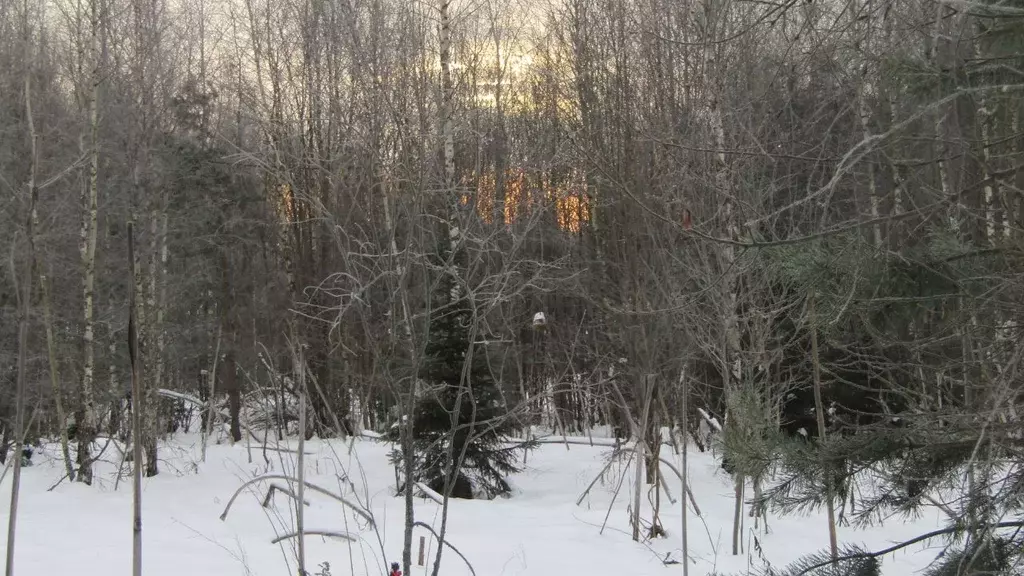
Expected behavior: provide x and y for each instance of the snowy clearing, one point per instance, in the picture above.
(539, 531)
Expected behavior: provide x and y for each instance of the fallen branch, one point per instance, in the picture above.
(328, 533)
(358, 510)
(609, 442)
(289, 450)
(283, 490)
(446, 543)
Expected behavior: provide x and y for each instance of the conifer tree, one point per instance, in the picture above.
(460, 422)
(911, 449)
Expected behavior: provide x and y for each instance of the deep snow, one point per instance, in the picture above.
(86, 531)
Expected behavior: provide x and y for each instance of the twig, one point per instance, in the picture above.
(283, 490)
(598, 477)
(625, 469)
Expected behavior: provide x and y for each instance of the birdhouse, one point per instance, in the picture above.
(540, 322)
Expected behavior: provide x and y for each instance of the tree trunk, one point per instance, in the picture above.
(23, 316)
(234, 392)
(150, 351)
(89, 422)
(685, 391)
(819, 411)
(134, 354)
(117, 396)
(301, 488)
(143, 403)
(58, 400)
(158, 293)
(208, 415)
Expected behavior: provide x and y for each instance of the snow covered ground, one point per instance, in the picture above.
(540, 531)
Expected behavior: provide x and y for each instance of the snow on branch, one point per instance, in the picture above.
(181, 396)
(430, 493)
(197, 402)
(327, 533)
(711, 420)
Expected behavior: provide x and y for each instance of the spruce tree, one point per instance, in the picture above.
(920, 453)
(462, 413)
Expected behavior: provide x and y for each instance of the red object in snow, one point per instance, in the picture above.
(396, 573)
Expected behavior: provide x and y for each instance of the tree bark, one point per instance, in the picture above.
(234, 390)
(23, 311)
(301, 458)
(210, 404)
(89, 421)
(685, 391)
(137, 413)
(58, 400)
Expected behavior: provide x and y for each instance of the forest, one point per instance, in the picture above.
(795, 223)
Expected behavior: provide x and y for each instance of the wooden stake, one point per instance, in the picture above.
(419, 561)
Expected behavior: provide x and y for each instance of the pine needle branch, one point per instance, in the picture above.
(904, 544)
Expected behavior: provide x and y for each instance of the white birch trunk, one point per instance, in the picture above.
(732, 367)
(984, 118)
(447, 129)
(90, 202)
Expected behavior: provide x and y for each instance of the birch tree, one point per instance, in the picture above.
(90, 63)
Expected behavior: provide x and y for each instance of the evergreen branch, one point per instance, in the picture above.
(904, 544)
